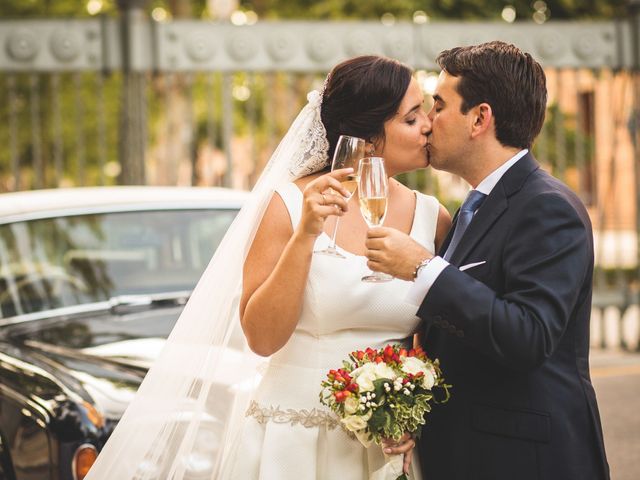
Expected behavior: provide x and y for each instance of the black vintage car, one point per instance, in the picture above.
(91, 282)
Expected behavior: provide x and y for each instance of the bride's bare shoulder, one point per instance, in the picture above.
(276, 215)
(402, 192)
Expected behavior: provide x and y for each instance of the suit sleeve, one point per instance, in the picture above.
(547, 257)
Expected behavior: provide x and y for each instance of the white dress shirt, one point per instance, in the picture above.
(428, 275)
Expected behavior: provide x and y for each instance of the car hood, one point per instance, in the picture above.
(101, 358)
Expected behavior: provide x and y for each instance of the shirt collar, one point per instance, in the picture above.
(490, 181)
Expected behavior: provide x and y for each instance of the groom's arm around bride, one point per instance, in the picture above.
(511, 330)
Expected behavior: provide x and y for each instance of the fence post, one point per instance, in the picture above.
(133, 107)
(634, 122)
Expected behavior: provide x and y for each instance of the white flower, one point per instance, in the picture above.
(353, 423)
(351, 405)
(365, 375)
(385, 371)
(413, 365)
(429, 379)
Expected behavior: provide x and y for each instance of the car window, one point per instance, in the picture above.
(65, 261)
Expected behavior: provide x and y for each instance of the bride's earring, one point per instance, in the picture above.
(371, 150)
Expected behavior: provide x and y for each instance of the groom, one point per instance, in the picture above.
(507, 300)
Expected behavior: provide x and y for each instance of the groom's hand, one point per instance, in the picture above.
(393, 252)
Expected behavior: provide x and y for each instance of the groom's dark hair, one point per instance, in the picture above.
(361, 94)
(506, 78)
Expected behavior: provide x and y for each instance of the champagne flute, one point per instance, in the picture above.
(349, 151)
(373, 190)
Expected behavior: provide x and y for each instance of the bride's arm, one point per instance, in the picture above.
(274, 278)
(277, 265)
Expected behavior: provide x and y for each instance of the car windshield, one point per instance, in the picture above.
(70, 260)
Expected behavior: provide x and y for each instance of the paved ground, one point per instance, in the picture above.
(616, 378)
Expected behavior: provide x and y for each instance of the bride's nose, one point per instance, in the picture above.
(426, 123)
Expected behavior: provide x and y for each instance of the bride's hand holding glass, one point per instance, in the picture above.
(349, 150)
(323, 197)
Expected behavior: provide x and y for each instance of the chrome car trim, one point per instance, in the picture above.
(109, 305)
(79, 354)
(57, 312)
(22, 399)
(128, 208)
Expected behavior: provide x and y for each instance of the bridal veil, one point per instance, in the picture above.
(180, 423)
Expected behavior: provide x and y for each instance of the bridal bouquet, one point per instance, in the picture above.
(382, 394)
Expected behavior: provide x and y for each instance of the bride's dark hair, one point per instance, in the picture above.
(361, 94)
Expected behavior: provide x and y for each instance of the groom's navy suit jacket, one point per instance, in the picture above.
(512, 336)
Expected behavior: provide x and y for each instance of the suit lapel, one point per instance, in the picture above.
(493, 207)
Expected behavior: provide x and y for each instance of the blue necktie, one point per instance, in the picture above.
(471, 204)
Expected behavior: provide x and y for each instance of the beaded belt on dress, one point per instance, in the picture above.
(306, 418)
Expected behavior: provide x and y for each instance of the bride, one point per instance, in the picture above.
(306, 312)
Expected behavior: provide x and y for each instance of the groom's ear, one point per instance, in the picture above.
(482, 119)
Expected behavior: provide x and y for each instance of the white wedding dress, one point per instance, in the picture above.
(286, 433)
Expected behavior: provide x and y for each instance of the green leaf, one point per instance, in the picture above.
(378, 387)
(379, 420)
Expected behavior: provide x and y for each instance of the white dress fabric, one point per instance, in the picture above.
(286, 433)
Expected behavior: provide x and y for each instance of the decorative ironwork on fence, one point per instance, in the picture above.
(130, 100)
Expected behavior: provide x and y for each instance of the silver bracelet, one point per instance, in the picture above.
(420, 266)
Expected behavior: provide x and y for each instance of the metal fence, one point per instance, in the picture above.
(129, 100)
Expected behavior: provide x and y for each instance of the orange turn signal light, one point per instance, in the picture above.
(83, 460)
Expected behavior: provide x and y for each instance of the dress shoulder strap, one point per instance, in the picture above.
(292, 198)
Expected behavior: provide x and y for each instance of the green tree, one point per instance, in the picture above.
(436, 9)
(77, 91)
(49, 8)
(338, 9)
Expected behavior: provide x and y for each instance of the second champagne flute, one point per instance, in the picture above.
(349, 151)
(373, 191)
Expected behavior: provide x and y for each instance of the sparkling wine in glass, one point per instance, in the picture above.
(349, 151)
(373, 191)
